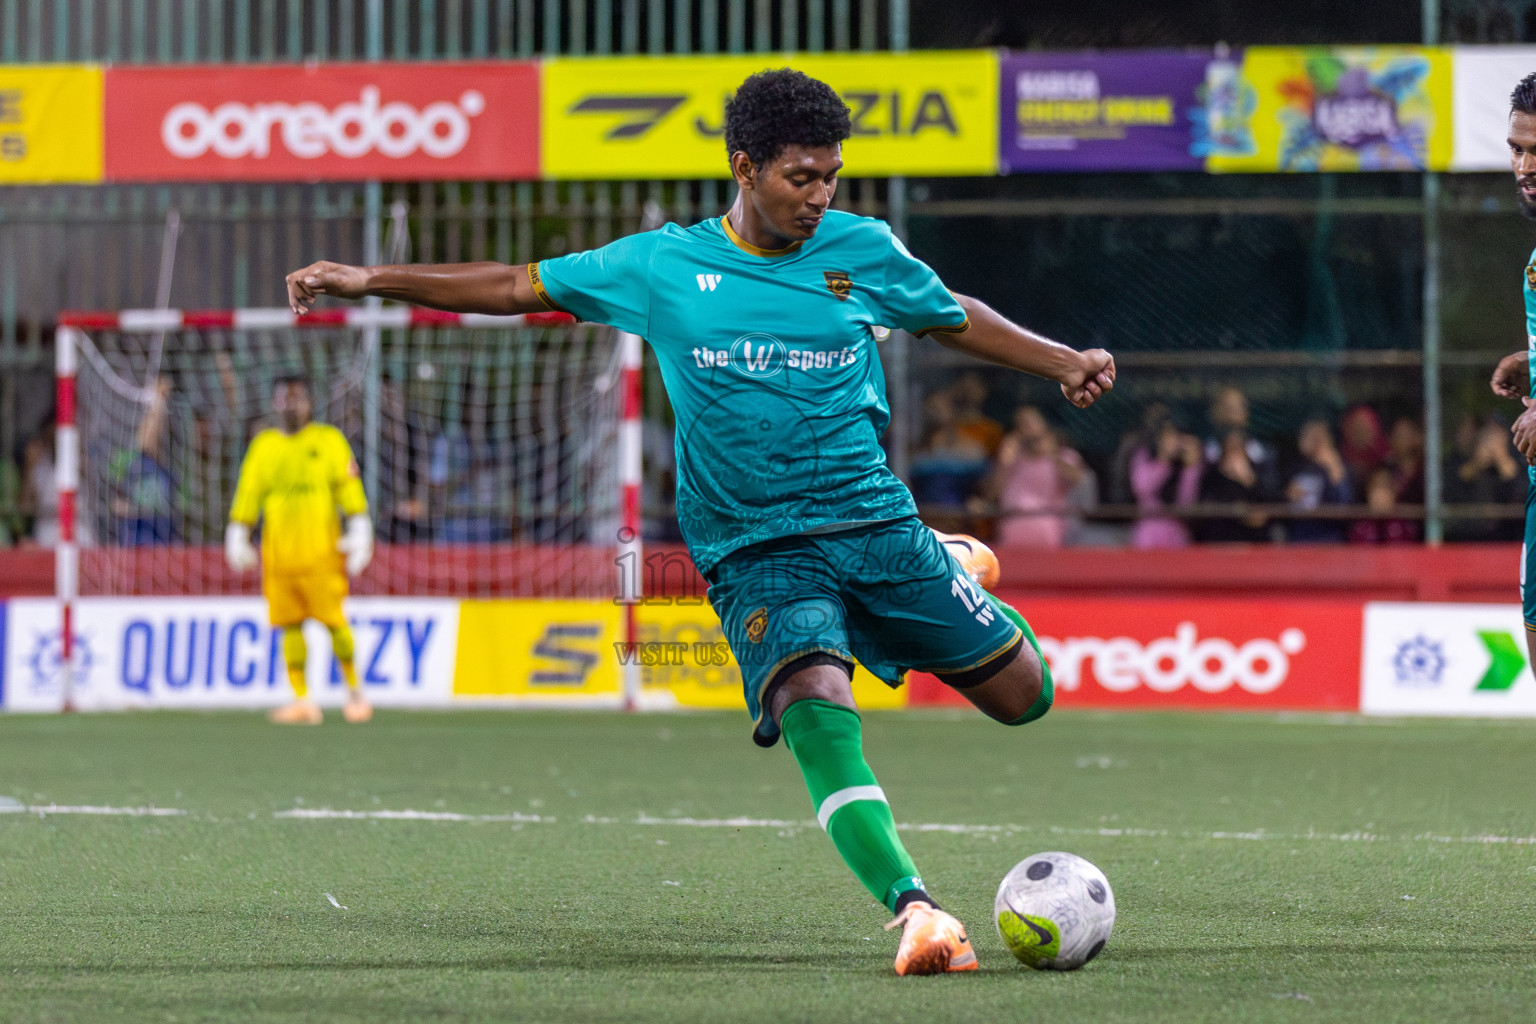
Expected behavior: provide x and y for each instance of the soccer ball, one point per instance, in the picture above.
(1054, 911)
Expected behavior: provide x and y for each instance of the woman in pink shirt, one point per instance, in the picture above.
(1034, 475)
(1164, 472)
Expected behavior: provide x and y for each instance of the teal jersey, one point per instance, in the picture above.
(772, 365)
(1530, 334)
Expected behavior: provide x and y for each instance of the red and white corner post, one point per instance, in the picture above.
(631, 587)
(66, 553)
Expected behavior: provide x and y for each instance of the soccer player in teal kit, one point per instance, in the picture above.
(1515, 376)
(765, 325)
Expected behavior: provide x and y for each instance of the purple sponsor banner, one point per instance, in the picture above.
(1100, 112)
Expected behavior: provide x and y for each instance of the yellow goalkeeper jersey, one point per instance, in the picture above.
(296, 483)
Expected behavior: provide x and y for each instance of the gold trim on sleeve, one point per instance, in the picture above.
(959, 328)
(539, 290)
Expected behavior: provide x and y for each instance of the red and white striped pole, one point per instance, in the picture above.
(630, 552)
(274, 317)
(66, 467)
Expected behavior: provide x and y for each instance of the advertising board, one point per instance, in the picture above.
(323, 122)
(219, 652)
(50, 124)
(930, 112)
(1485, 76)
(1132, 111)
(1446, 659)
(1216, 654)
(1337, 108)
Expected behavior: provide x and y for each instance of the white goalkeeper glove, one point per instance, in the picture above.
(238, 551)
(357, 544)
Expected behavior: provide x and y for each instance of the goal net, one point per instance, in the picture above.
(488, 447)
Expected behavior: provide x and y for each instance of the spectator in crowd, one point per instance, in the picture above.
(1234, 478)
(1398, 480)
(1487, 471)
(403, 454)
(1164, 472)
(39, 490)
(143, 488)
(948, 467)
(1362, 443)
(1381, 499)
(1229, 412)
(1033, 480)
(968, 395)
(658, 487)
(1143, 436)
(13, 525)
(1320, 478)
(1405, 458)
(470, 477)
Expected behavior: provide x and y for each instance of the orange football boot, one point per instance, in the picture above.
(933, 942)
(300, 712)
(978, 561)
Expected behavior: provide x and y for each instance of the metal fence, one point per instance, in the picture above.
(1311, 292)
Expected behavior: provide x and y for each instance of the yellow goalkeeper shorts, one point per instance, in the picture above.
(294, 597)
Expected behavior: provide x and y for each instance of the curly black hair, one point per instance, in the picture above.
(1523, 99)
(783, 107)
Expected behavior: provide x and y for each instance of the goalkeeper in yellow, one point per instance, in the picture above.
(295, 478)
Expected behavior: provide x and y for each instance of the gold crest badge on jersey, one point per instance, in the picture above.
(1530, 275)
(838, 283)
(757, 625)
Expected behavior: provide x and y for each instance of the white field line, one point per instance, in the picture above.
(44, 810)
(647, 820)
(326, 812)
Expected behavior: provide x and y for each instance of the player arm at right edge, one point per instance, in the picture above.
(1512, 379)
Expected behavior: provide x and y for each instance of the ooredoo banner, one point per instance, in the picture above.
(1232, 654)
(1485, 76)
(323, 122)
(1101, 112)
(1446, 659)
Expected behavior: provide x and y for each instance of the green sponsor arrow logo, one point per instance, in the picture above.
(1507, 661)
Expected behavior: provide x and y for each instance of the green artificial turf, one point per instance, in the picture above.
(1266, 869)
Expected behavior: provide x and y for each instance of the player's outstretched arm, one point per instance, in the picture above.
(1084, 376)
(1512, 377)
(494, 288)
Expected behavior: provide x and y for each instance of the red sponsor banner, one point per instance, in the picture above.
(1232, 655)
(323, 122)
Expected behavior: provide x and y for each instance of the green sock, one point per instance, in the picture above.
(828, 743)
(1047, 696)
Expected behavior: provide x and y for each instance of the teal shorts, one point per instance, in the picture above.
(887, 595)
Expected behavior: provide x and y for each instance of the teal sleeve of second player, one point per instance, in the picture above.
(914, 298)
(610, 285)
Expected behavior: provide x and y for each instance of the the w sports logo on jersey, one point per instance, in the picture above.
(709, 282)
(838, 283)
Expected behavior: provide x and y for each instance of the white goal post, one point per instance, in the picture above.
(501, 455)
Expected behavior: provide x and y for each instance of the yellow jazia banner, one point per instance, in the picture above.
(50, 123)
(932, 112)
(683, 650)
(524, 650)
(1384, 108)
